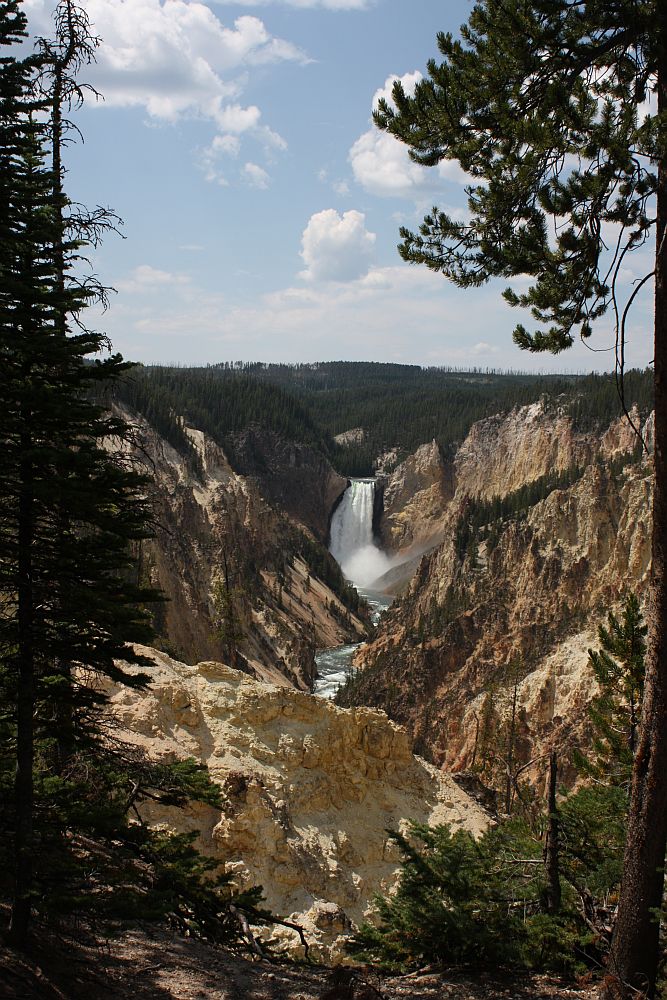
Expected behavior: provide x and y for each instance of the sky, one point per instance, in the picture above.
(261, 206)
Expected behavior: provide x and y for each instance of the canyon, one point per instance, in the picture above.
(216, 525)
(501, 557)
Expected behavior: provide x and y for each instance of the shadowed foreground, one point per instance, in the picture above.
(155, 965)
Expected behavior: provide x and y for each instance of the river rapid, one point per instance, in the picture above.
(334, 664)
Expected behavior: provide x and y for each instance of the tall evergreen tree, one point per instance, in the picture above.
(542, 104)
(616, 711)
(70, 507)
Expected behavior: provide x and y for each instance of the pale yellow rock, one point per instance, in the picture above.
(309, 789)
(415, 497)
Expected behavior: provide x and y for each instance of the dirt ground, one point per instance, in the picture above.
(143, 965)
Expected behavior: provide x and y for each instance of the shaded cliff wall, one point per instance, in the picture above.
(285, 610)
(293, 477)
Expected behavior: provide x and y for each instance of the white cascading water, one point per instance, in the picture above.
(363, 564)
(352, 543)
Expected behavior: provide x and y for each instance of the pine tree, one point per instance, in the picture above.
(541, 104)
(616, 711)
(228, 620)
(70, 508)
(73, 509)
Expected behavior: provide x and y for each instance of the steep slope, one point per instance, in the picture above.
(310, 790)
(414, 500)
(292, 476)
(544, 532)
(286, 595)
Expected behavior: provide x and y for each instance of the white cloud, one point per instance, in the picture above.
(175, 59)
(341, 187)
(306, 4)
(483, 349)
(146, 279)
(235, 119)
(229, 145)
(382, 165)
(336, 247)
(256, 176)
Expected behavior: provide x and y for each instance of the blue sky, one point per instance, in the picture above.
(261, 208)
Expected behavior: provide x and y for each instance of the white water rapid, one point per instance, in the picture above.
(352, 544)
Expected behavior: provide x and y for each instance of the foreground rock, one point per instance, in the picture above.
(310, 789)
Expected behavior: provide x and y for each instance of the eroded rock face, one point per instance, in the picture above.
(309, 789)
(293, 476)
(506, 451)
(415, 499)
(536, 590)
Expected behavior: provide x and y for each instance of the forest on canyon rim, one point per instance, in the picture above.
(222, 453)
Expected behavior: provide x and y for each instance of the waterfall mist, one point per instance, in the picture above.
(352, 544)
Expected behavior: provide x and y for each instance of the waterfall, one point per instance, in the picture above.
(362, 563)
(352, 544)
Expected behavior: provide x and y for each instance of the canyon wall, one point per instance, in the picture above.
(293, 477)
(526, 588)
(414, 500)
(215, 525)
(309, 790)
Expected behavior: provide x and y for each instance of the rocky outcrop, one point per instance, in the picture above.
(213, 524)
(309, 789)
(293, 477)
(354, 436)
(501, 454)
(529, 588)
(504, 452)
(415, 498)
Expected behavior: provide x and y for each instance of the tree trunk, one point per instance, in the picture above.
(634, 955)
(552, 846)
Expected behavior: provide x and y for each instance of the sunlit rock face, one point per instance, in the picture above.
(309, 789)
(415, 498)
(537, 591)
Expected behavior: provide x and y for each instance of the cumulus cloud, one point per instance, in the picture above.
(336, 247)
(382, 165)
(175, 59)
